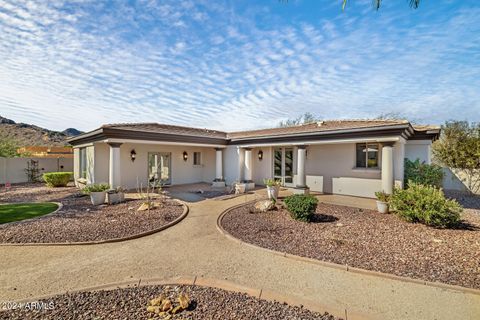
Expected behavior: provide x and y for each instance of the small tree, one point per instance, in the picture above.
(32, 171)
(459, 148)
(303, 119)
(8, 147)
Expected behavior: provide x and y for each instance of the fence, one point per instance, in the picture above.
(12, 170)
(456, 179)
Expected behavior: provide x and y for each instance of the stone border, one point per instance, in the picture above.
(135, 236)
(59, 207)
(226, 285)
(389, 276)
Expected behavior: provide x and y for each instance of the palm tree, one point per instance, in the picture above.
(376, 4)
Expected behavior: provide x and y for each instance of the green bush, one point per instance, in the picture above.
(382, 196)
(301, 207)
(96, 188)
(425, 204)
(422, 173)
(57, 179)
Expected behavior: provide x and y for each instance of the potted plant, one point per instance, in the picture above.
(273, 188)
(115, 196)
(97, 192)
(382, 201)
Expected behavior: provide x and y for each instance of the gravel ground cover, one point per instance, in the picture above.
(369, 240)
(35, 192)
(79, 220)
(131, 303)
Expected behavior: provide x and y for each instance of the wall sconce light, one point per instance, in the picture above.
(260, 155)
(133, 155)
(185, 156)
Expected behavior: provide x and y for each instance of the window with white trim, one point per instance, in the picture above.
(367, 155)
(82, 163)
(197, 158)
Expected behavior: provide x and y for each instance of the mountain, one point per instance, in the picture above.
(30, 135)
(72, 132)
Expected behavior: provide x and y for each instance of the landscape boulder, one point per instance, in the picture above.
(264, 205)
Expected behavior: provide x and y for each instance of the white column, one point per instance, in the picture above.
(398, 163)
(114, 167)
(248, 165)
(387, 169)
(219, 164)
(301, 156)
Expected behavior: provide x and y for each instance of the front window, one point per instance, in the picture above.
(197, 158)
(367, 155)
(83, 163)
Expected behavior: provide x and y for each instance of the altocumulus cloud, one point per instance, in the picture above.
(232, 65)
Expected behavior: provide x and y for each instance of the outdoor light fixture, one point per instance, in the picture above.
(260, 155)
(185, 156)
(133, 155)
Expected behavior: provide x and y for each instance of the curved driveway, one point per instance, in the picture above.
(194, 247)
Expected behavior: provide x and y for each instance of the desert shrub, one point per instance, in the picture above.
(57, 179)
(422, 173)
(425, 204)
(96, 188)
(301, 207)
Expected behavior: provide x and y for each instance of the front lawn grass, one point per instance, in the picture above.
(22, 211)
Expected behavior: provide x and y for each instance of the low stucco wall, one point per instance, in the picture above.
(12, 170)
(457, 180)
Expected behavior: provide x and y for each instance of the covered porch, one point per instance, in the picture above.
(353, 167)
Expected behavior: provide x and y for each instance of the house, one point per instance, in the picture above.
(46, 152)
(352, 157)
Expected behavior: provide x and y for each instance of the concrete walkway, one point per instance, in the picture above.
(195, 247)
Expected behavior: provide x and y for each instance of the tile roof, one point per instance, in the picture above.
(319, 126)
(425, 127)
(167, 129)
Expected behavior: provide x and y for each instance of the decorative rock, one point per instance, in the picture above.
(157, 301)
(145, 206)
(184, 300)
(264, 205)
(151, 309)
(177, 309)
(166, 305)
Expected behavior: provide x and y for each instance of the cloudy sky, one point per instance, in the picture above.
(236, 64)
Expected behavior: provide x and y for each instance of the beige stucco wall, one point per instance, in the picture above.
(102, 159)
(334, 166)
(262, 169)
(182, 172)
(419, 149)
(13, 169)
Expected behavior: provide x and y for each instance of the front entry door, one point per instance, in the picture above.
(159, 168)
(283, 165)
